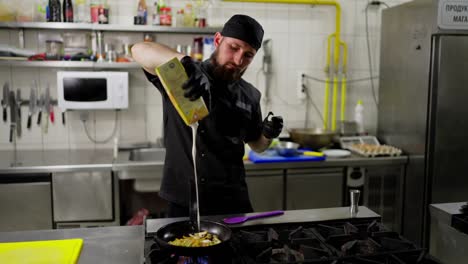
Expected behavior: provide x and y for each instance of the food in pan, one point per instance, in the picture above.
(201, 239)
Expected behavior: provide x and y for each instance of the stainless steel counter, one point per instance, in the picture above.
(125, 244)
(75, 160)
(447, 243)
(55, 161)
(443, 212)
(293, 216)
(113, 245)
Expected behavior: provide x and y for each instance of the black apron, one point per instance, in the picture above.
(234, 118)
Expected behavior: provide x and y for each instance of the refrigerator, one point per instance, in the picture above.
(423, 104)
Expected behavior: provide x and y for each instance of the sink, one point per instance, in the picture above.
(148, 154)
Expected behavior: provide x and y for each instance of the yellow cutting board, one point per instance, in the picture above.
(64, 251)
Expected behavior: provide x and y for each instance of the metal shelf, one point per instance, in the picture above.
(71, 64)
(108, 27)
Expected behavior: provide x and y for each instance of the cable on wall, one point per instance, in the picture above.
(369, 56)
(107, 139)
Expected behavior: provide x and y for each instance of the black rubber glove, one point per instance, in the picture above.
(272, 128)
(198, 82)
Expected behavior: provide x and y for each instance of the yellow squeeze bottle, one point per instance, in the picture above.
(172, 75)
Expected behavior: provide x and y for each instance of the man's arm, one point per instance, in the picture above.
(150, 55)
(270, 129)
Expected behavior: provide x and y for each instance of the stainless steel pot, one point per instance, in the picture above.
(287, 149)
(314, 138)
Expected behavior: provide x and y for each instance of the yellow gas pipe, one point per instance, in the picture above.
(327, 84)
(311, 2)
(336, 54)
(343, 80)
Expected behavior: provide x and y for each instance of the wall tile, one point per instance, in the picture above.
(76, 131)
(299, 44)
(154, 122)
(133, 125)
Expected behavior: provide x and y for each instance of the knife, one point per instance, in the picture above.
(13, 112)
(32, 106)
(5, 101)
(45, 116)
(18, 118)
(40, 105)
(50, 106)
(63, 117)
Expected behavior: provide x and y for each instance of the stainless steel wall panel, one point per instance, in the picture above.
(82, 196)
(25, 206)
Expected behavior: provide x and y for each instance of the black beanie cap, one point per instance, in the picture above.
(244, 28)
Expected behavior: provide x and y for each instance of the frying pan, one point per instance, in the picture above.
(178, 229)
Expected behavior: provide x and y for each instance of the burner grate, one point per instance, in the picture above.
(334, 242)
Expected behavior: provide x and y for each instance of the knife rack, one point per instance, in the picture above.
(26, 102)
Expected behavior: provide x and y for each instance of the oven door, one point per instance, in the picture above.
(83, 196)
(25, 202)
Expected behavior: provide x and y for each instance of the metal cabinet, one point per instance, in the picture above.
(383, 193)
(25, 202)
(314, 188)
(265, 189)
(83, 196)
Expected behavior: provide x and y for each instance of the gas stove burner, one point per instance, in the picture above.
(327, 231)
(194, 260)
(348, 228)
(333, 242)
(165, 255)
(391, 241)
(360, 247)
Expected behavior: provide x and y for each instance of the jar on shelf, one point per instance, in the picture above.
(197, 51)
(54, 49)
(94, 11)
(179, 19)
(165, 17)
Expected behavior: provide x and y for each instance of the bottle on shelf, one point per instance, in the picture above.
(67, 11)
(81, 16)
(188, 16)
(94, 10)
(359, 117)
(40, 13)
(155, 18)
(55, 15)
(104, 13)
(142, 11)
(100, 55)
(179, 18)
(165, 18)
(200, 20)
(197, 51)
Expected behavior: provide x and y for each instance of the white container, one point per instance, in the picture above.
(359, 117)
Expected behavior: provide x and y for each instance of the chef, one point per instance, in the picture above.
(235, 119)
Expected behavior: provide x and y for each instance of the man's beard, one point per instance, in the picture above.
(224, 73)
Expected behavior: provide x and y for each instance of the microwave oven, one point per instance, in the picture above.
(82, 90)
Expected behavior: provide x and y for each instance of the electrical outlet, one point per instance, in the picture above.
(301, 93)
(84, 116)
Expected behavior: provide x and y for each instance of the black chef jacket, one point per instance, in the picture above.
(234, 118)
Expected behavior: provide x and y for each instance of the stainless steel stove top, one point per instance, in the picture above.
(306, 236)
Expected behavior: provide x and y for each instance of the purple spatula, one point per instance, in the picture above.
(242, 219)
